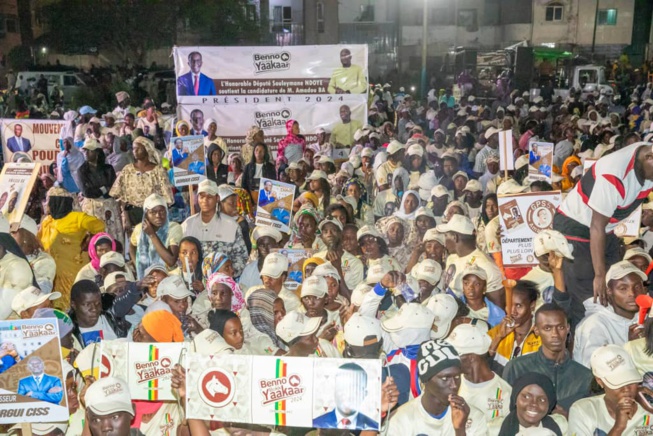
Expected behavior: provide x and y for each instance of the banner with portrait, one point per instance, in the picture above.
(522, 216)
(16, 183)
(186, 153)
(205, 73)
(284, 391)
(274, 204)
(36, 139)
(32, 383)
(540, 160)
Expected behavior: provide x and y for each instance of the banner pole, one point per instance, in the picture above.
(192, 200)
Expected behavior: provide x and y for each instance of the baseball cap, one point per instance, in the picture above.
(109, 395)
(261, 231)
(334, 221)
(435, 356)
(155, 267)
(521, 161)
(31, 297)
(315, 286)
(433, 235)
(274, 265)
(445, 308)
(112, 257)
(476, 270)
(358, 294)
(368, 230)
(492, 158)
(225, 191)
(173, 286)
(439, 191)
(208, 187)
(317, 175)
(84, 110)
(473, 186)
(491, 131)
(416, 150)
(634, 252)
(295, 325)
(41, 429)
(327, 270)
(394, 147)
(428, 270)
(325, 159)
(349, 200)
(27, 223)
(424, 211)
(293, 166)
(91, 144)
(112, 278)
(209, 343)
(614, 366)
(622, 269)
(367, 152)
(547, 241)
(460, 174)
(375, 273)
(410, 315)
(469, 339)
(510, 186)
(458, 224)
(360, 329)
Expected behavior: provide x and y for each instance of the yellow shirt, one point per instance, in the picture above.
(531, 344)
(342, 134)
(72, 223)
(350, 79)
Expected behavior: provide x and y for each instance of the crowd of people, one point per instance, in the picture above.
(404, 264)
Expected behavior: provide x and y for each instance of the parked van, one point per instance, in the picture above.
(68, 81)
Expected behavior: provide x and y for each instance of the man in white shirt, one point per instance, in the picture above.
(274, 274)
(617, 323)
(616, 412)
(349, 266)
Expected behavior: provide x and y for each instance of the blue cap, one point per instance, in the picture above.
(86, 110)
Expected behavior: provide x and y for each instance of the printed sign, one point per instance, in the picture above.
(16, 183)
(296, 258)
(522, 216)
(540, 160)
(32, 386)
(629, 228)
(36, 139)
(187, 157)
(274, 207)
(506, 159)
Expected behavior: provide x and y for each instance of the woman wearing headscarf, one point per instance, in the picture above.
(139, 180)
(532, 400)
(97, 178)
(259, 323)
(68, 129)
(395, 231)
(291, 148)
(410, 202)
(236, 167)
(62, 234)
(489, 210)
(304, 230)
(567, 167)
(211, 127)
(68, 163)
(121, 155)
(258, 167)
(15, 271)
(155, 239)
(215, 169)
(222, 293)
(100, 243)
(363, 213)
(189, 263)
(182, 128)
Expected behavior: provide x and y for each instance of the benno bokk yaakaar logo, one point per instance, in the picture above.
(270, 62)
(273, 118)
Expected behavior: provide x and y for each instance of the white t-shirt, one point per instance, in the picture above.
(222, 229)
(290, 300)
(494, 427)
(164, 422)
(643, 362)
(352, 268)
(590, 416)
(456, 265)
(100, 331)
(491, 397)
(250, 277)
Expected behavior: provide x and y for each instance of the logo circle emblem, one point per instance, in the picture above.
(540, 215)
(216, 387)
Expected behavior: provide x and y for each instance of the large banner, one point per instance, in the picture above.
(16, 183)
(274, 204)
(187, 155)
(32, 385)
(284, 391)
(522, 216)
(213, 75)
(39, 139)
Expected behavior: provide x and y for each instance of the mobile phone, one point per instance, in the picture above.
(648, 399)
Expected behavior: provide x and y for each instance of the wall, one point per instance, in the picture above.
(606, 35)
(331, 32)
(10, 40)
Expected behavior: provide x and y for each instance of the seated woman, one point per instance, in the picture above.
(314, 300)
(480, 307)
(228, 325)
(395, 232)
(156, 239)
(222, 292)
(375, 248)
(157, 272)
(258, 322)
(189, 264)
(100, 243)
(305, 233)
(15, 271)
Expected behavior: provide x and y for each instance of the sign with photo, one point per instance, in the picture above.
(522, 216)
(296, 258)
(32, 384)
(186, 154)
(540, 160)
(16, 183)
(36, 139)
(274, 206)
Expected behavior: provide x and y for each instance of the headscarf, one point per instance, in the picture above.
(454, 204)
(163, 326)
(356, 181)
(567, 181)
(219, 318)
(68, 129)
(401, 213)
(60, 202)
(152, 154)
(384, 226)
(237, 299)
(309, 210)
(118, 159)
(379, 160)
(146, 253)
(212, 263)
(510, 424)
(251, 133)
(75, 159)
(311, 197)
(261, 312)
(208, 122)
(316, 260)
(179, 124)
(92, 252)
(405, 178)
(244, 202)
(197, 272)
(291, 138)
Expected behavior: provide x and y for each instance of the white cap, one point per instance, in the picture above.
(428, 270)
(173, 286)
(358, 294)
(349, 200)
(460, 174)
(394, 147)
(614, 366)
(317, 175)
(368, 230)
(510, 186)
(295, 325)
(552, 241)
(27, 223)
(410, 315)
(325, 159)
(225, 191)
(439, 191)
(459, 224)
(359, 328)
(622, 269)
(473, 186)
(327, 270)
(112, 257)
(4, 224)
(112, 278)
(90, 143)
(292, 166)
(41, 429)
(210, 343)
(445, 308)
(274, 265)
(375, 272)
(635, 252)
(469, 339)
(315, 286)
(416, 150)
(521, 161)
(476, 270)
(261, 231)
(31, 297)
(491, 131)
(207, 186)
(336, 222)
(109, 395)
(424, 211)
(433, 235)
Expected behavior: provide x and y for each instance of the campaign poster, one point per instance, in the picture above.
(540, 160)
(629, 228)
(355, 392)
(587, 164)
(282, 391)
(218, 388)
(32, 385)
(36, 139)
(274, 206)
(187, 157)
(212, 74)
(296, 258)
(522, 216)
(506, 159)
(16, 183)
(339, 119)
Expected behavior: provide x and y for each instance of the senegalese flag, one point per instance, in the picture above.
(153, 385)
(646, 421)
(496, 412)
(167, 419)
(280, 406)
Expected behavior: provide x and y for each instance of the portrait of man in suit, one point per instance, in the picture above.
(197, 121)
(350, 393)
(265, 196)
(194, 82)
(17, 142)
(40, 385)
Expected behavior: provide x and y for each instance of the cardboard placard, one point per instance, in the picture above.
(540, 160)
(296, 258)
(186, 154)
(274, 205)
(16, 183)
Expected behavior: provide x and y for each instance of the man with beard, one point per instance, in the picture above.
(349, 79)
(342, 134)
(349, 266)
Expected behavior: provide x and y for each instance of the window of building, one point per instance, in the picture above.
(367, 13)
(607, 17)
(319, 14)
(282, 17)
(467, 19)
(554, 12)
(11, 24)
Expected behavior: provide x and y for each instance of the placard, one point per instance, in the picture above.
(274, 206)
(38, 139)
(629, 228)
(522, 216)
(32, 382)
(506, 154)
(187, 157)
(587, 164)
(540, 160)
(16, 183)
(296, 258)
